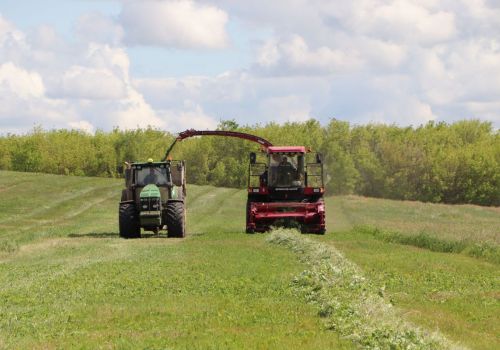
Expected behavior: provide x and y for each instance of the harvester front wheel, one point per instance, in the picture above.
(248, 229)
(176, 219)
(129, 221)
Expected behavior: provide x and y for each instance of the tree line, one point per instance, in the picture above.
(435, 162)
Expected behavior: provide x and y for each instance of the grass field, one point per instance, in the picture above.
(68, 281)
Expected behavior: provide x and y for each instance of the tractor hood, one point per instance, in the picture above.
(150, 191)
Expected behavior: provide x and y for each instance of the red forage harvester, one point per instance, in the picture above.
(285, 185)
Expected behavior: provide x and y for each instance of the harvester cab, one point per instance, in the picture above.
(153, 199)
(285, 184)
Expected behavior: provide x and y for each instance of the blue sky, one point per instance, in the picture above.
(177, 64)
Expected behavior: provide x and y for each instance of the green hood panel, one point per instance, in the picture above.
(150, 191)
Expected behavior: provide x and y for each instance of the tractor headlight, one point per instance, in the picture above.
(150, 204)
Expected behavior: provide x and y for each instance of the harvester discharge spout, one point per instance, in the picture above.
(241, 135)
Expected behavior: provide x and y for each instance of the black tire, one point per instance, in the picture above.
(248, 230)
(128, 219)
(176, 219)
(305, 229)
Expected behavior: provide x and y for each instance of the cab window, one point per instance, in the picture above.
(286, 170)
(151, 175)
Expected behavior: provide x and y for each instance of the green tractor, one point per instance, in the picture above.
(153, 199)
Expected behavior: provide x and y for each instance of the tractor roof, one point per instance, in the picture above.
(286, 149)
(148, 164)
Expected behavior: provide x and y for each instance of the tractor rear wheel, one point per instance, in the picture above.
(176, 219)
(129, 221)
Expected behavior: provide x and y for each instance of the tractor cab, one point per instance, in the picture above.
(168, 176)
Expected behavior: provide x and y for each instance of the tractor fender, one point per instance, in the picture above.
(126, 195)
(176, 193)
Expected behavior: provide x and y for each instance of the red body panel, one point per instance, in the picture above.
(262, 215)
(281, 149)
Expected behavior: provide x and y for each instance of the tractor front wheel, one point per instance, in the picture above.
(176, 219)
(129, 221)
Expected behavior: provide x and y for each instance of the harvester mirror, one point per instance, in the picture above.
(319, 158)
(253, 158)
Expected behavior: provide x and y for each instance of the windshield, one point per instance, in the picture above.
(286, 170)
(151, 175)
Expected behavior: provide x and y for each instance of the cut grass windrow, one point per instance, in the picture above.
(481, 250)
(348, 302)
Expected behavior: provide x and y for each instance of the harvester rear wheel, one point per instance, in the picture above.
(128, 221)
(176, 219)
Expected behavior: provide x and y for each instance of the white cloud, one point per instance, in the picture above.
(402, 61)
(396, 61)
(96, 27)
(8, 32)
(409, 21)
(248, 98)
(181, 24)
(88, 88)
(293, 56)
(407, 109)
(23, 103)
(20, 82)
(191, 116)
(290, 108)
(92, 83)
(82, 125)
(134, 112)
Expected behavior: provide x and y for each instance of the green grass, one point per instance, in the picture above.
(68, 281)
(456, 294)
(470, 223)
(349, 302)
(209, 292)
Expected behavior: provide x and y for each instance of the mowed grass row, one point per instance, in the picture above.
(69, 238)
(349, 302)
(454, 293)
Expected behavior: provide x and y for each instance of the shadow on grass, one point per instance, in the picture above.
(115, 235)
(94, 235)
(146, 234)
